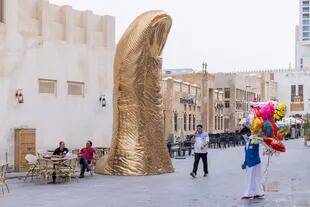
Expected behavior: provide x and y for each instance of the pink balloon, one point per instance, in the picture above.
(267, 111)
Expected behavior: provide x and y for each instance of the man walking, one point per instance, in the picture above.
(200, 149)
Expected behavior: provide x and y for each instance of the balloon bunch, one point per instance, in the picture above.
(263, 124)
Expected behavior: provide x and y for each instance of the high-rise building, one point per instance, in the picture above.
(302, 46)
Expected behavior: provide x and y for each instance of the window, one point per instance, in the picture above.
(306, 21)
(301, 92)
(215, 122)
(185, 120)
(47, 86)
(306, 28)
(198, 108)
(306, 34)
(238, 94)
(194, 122)
(305, 3)
(184, 88)
(194, 108)
(227, 92)
(175, 122)
(226, 123)
(238, 105)
(189, 107)
(189, 122)
(293, 92)
(193, 90)
(305, 9)
(227, 104)
(76, 88)
(306, 16)
(185, 107)
(221, 123)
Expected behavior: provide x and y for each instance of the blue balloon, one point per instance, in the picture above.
(268, 129)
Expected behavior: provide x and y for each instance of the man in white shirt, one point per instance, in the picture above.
(200, 149)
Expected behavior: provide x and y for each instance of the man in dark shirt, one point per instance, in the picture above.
(61, 150)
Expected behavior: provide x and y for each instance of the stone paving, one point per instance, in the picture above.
(288, 181)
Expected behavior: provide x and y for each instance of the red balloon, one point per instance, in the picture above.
(275, 144)
(268, 140)
(278, 146)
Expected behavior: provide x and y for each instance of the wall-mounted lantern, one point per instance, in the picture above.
(103, 101)
(19, 96)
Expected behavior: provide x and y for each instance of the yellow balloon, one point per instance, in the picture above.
(257, 125)
(279, 112)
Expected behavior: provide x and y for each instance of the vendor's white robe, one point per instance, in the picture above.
(253, 181)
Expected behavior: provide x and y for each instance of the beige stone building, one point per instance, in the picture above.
(60, 61)
(182, 107)
(239, 90)
(225, 97)
(212, 102)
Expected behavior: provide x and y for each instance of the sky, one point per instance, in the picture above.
(230, 35)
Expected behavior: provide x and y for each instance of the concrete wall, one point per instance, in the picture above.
(42, 42)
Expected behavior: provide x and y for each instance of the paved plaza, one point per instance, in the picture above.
(288, 182)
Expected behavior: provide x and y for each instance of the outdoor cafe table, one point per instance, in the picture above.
(57, 161)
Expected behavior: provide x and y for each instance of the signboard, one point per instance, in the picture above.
(189, 101)
(297, 107)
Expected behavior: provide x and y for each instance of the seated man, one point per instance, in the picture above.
(86, 156)
(61, 150)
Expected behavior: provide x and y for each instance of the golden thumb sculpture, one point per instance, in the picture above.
(138, 143)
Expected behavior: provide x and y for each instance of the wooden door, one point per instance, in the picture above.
(25, 143)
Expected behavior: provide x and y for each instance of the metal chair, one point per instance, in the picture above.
(45, 169)
(92, 165)
(32, 162)
(68, 168)
(99, 152)
(3, 171)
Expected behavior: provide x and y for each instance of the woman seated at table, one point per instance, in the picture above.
(86, 156)
(61, 150)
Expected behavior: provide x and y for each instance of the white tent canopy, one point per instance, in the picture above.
(290, 121)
